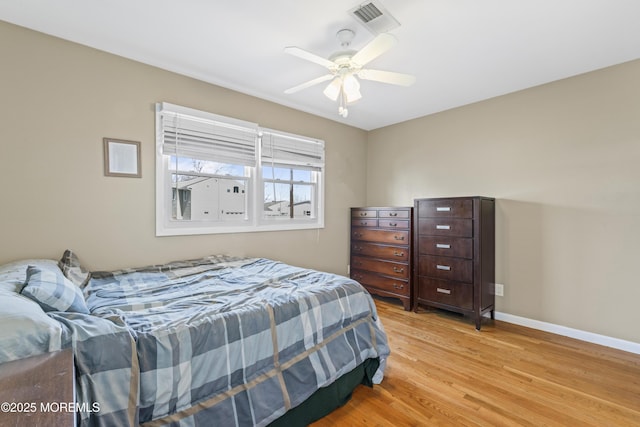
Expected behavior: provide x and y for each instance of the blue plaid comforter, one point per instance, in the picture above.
(217, 341)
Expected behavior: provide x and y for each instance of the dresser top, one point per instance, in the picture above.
(382, 207)
(455, 197)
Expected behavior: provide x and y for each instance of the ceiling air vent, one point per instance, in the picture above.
(374, 17)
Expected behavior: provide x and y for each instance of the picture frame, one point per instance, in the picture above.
(122, 158)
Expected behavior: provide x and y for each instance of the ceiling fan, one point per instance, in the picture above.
(345, 65)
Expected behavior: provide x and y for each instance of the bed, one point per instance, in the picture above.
(213, 341)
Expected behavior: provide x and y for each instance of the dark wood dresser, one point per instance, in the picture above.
(454, 255)
(381, 251)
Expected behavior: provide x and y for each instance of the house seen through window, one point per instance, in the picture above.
(206, 190)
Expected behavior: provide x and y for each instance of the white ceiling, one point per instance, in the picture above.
(461, 51)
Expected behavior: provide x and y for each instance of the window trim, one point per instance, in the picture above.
(256, 222)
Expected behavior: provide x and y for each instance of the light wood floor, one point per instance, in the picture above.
(442, 372)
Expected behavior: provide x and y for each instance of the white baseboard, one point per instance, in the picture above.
(619, 344)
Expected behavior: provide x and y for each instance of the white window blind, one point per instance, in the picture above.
(186, 135)
(291, 150)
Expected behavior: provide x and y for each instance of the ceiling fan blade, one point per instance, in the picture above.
(376, 47)
(387, 77)
(301, 53)
(309, 83)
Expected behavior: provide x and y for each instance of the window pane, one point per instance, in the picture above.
(278, 199)
(181, 197)
(303, 202)
(301, 175)
(285, 174)
(205, 166)
(208, 199)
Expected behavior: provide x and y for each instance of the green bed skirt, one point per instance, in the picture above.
(326, 399)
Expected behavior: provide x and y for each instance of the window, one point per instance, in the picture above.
(291, 169)
(215, 174)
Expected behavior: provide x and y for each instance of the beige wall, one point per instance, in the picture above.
(563, 160)
(59, 99)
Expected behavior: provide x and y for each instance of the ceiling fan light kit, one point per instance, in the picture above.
(345, 65)
(333, 89)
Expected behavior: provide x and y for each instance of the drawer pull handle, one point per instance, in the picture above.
(398, 270)
(444, 291)
(398, 237)
(396, 286)
(396, 253)
(363, 214)
(443, 209)
(393, 214)
(443, 246)
(393, 224)
(443, 227)
(363, 223)
(357, 234)
(443, 267)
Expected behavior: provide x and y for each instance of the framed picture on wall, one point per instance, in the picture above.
(121, 158)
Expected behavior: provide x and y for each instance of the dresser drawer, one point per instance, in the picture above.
(444, 292)
(446, 227)
(364, 222)
(364, 213)
(446, 208)
(394, 223)
(448, 268)
(398, 237)
(459, 247)
(393, 213)
(396, 286)
(395, 269)
(392, 253)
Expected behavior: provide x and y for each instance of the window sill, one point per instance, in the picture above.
(190, 231)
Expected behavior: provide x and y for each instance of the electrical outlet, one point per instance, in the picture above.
(499, 290)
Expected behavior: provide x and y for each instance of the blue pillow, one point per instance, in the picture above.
(53, 292)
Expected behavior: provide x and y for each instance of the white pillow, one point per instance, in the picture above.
(26, 329)
(13, 275)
